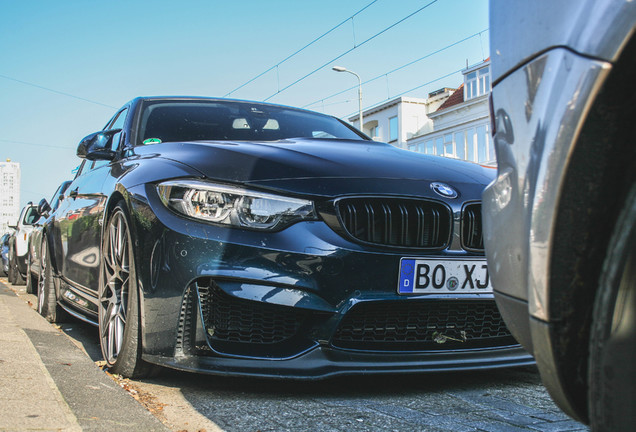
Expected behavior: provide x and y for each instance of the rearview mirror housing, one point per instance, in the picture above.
(44, 208)
(97, 146)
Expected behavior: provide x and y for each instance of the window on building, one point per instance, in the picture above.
(393, 129)
(448, 145)
(492, 157)
(477, 83)
(430, 147)
(470, 145)
(482, 145)
(439, 146)
(460, 145)
(374, 132)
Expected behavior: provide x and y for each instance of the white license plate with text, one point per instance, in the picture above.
(428, 276)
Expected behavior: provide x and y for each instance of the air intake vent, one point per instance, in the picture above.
(422, 326)
(396, 222)
(472, 233)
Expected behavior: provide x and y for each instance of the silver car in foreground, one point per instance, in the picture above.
(560, 219)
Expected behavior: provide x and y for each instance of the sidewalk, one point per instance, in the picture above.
(48, 383)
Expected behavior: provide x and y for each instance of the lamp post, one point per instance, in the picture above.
(342, 69)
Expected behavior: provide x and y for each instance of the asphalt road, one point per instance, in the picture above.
(510, 399)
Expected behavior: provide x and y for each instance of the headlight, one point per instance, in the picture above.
(234, 206)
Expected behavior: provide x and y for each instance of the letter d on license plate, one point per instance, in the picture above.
(428, 276)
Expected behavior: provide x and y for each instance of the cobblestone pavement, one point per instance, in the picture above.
(510, 399)
(500, 400)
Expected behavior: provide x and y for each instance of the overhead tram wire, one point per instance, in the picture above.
(34, 144)
(407, 91)
(301, 49)
(398, 68)
(349, 50)
(56, 91)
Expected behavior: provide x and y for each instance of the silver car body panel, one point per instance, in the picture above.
(594, 28)
(539, 110)
(549, 61)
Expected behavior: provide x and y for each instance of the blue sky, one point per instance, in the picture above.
(68, 65)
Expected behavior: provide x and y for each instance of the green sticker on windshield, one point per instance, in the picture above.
(152, 141)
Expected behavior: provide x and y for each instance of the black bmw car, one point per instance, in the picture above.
(236, 237)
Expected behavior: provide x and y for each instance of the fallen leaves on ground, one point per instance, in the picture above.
(146, 399)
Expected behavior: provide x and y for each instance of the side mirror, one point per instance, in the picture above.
(13, 227)
(44, 208)
(97, 146)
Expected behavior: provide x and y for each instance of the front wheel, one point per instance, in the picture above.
(17, 276)
(11, 275)
(118, 306)
(612, 366)
(46, 290)
(31, 282)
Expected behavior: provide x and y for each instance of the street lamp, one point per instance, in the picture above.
(342, 69)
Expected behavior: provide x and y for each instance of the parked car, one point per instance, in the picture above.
(236, 237)
(4, 253)
(560, 219)
(18, 244)
(34, 275)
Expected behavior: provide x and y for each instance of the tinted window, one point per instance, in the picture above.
(31, 216)
(235, 121)
(118, 123)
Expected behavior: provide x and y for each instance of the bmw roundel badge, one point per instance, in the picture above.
(444, 190)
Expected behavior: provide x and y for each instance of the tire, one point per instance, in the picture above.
(612, 362)
(47, 290)
(11, 275)
(118, 300)
(31, 284)
(13, 268)
(19, 279)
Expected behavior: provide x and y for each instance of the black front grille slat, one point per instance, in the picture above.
(371, 223)
(396, 222)
(472, 233)
(422, 326)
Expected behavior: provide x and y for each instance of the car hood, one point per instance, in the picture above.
(324, 167)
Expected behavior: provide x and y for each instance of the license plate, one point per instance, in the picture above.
(428, 276)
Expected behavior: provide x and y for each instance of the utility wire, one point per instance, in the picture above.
(34, 144)
(351, 49)
(301, 49)
(407, 91)
(56, 91)
(382, 75)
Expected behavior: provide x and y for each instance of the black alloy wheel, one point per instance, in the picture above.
(612, 366)
(48, 306)
(118, 305)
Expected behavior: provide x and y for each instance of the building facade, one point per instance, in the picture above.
(9, 194)
(450, 122)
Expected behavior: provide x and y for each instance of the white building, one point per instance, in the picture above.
(9, 194)
(451, 123)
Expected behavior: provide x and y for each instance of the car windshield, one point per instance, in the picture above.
(169, 121)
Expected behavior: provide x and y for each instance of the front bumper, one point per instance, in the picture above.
(285, 298)
(539, 112)
(325, 362)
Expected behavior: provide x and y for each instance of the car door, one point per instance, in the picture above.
(84, 215)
